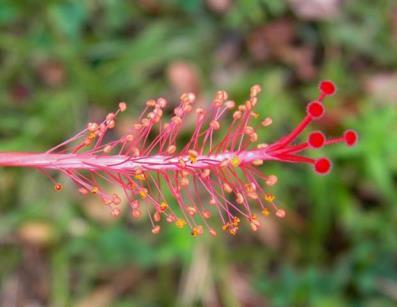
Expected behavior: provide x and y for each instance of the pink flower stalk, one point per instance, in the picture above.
(143, 165)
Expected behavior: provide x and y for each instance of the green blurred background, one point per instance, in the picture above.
(63, 63)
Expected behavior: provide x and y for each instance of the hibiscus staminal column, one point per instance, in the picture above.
(216, 173)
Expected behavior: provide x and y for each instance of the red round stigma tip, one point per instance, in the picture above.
(316, 139)
(315, 109)
(327, 87)
(322, 166)
(351, 137)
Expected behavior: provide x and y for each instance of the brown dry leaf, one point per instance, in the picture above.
(195, 281)
(100, 297)
(219, 6)
(316, 9)
(106, 294)
(52, 73)
(382, 87)
(270, 39)
(243, 290)
(36, 233)
(388, 287)
(269, 232)
(277, 40)
(152, 6)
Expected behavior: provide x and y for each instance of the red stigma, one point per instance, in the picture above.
(327, 88)
(316, 139)
(322, 166)
(350, 137)
(315, 109)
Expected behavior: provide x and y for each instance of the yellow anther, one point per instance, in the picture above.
(143, 193)
(235, 161)
(257, 162)
(197, 230)
(193, 156)
(163, 206)
(226, 226)
(140, 177)
(253, 219)
(233, 231)
(236, 221)
(269, 197)
(180, 223)
(91, 136)
(250, 187)
(94, 190)
(131, 185)
(266, 212)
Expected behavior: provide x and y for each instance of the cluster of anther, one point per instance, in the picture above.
(215, 173)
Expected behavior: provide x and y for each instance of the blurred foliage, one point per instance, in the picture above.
(63, 63)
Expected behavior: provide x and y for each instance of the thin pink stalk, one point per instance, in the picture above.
(227, 170)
